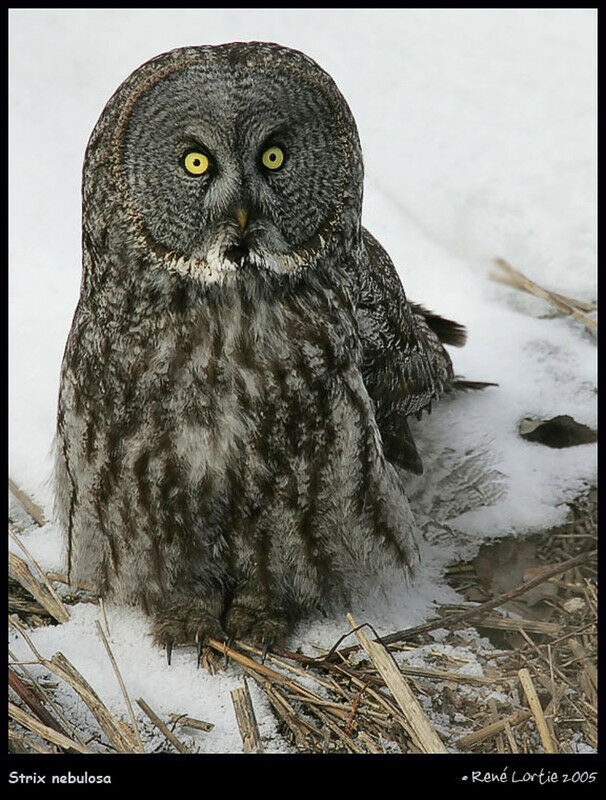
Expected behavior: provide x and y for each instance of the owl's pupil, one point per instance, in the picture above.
(272, 157)
(196, 162)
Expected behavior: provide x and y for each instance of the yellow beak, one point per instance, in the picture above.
(242, 217)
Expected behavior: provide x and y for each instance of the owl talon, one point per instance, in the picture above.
(199, 647)
(262, 627)
(264, 652)
(169, 651)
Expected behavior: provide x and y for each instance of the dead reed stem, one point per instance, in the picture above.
(40, 572)
(20, 572)
(245, 717)
(33, 509)
(50, 734)
(535, 707)
(30, 699)
(168, 734)
(491, 730)
(576, 308)
(131, 713)
(424, 734)
(60, 665)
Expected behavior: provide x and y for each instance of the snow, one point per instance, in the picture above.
(479, 135)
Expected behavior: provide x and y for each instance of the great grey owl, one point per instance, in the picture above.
(232, 421)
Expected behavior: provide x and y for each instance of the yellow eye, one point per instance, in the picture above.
(272, 158)
(196, 163)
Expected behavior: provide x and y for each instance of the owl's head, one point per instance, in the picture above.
(237, 157)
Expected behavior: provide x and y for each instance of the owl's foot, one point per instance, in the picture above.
(184, 622)
(263, 627)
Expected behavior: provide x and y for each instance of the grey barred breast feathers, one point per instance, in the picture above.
(235, 388)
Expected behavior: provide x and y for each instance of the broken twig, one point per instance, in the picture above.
(424, 734)
(245, 716)
(568, 305)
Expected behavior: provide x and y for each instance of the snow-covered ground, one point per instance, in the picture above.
(479, 135)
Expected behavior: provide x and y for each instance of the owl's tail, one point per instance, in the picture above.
(450, 332)
(447, 330)
(463, 385)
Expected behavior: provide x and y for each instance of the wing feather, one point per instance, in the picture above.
(405, 364)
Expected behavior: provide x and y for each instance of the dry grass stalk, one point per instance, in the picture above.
(535, 706)
(262, 669)
(424, 734)
(421, 672)
(551, 675)
(551, 710)
(135, 728)
(20, 572)
(588, 677)
(371, 745)
(495, 718)
(348, 696)
(378, 696)
(44, 697)
(191, 722)
(559, 691)
(288, 716)
(60, 665)
(301, 693)
(106, 623)
(17, 743)
(473, 739)
(23, 742)
(39, 570)
(545, 659)
(61, 578)
(571, 301)
(346, 740)
(50, 734)
(33, 509)
(445, 675)
(510, 738)
(284, 664)
(245, 716)
(300, 728)
(15, 623)
(327, 710)
(16, 605)
(330, 705)
(168, 734)
(576, 308)
(495, 622)
(30, 699)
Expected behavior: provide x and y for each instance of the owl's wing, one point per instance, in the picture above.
(405, 365)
